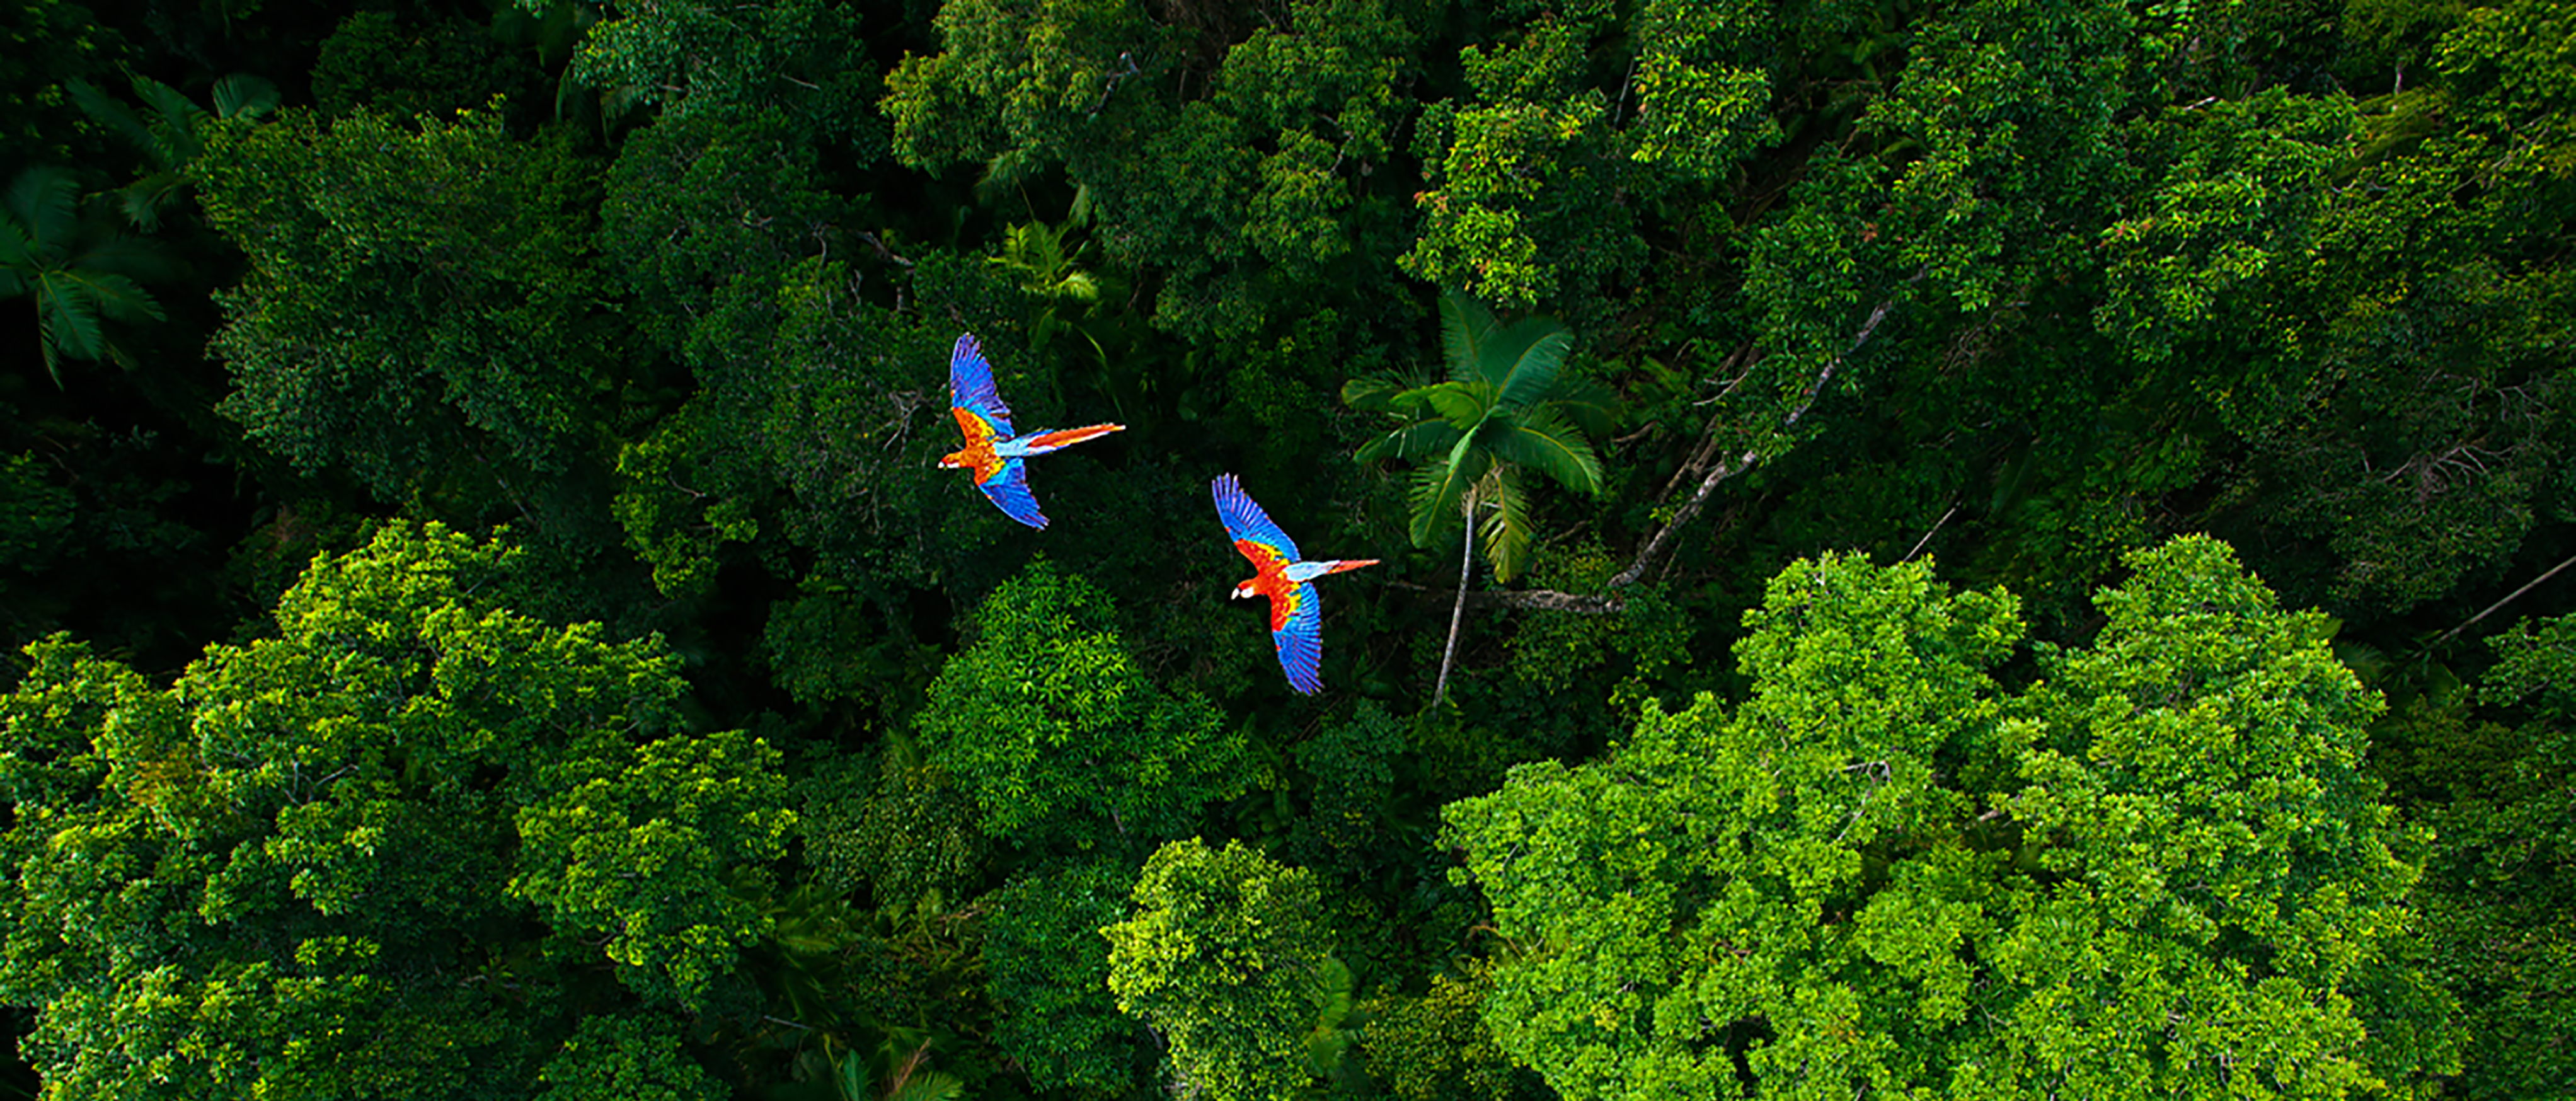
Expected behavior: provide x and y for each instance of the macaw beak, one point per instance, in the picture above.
(1237, 594)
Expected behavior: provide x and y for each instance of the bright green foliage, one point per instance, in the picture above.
(1049, 972)
(416, 309)
(2158, 872)
(80, 275)
(625, 1059)
(660, 847)
(1434, 1046)
(1046, 719)
(1524, 184)
(1227, 957)
(298, 872)
(1506, 406)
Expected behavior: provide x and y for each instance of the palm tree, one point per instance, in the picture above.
(78, 274)
(1507, 406)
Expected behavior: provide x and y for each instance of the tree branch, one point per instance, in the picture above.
(1738, 464)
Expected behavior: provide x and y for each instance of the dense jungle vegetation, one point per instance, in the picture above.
(1930, 548)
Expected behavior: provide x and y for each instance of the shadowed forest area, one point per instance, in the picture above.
(1940, 548)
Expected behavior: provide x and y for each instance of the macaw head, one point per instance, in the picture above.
(1243, 591)
(952, 460)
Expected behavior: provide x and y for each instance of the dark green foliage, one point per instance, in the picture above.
(1047, 721)
(1050, 977)
(416, 310)
(652, 303)
(403, 67)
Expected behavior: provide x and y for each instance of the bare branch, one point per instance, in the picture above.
(1740, 463)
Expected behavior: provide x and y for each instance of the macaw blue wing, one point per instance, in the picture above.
(1009, 490)
(1246, 523)
(1300, 640)
(970, 385)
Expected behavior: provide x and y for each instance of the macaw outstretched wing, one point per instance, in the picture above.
(1008, 487)
(1298, 632)
(1250, 528)
(970, 387)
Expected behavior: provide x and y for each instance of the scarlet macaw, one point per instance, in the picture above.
(1296, 619)
(991, 451)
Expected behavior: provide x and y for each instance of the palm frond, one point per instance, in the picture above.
(242, 95)
(1371, 393)
(175, 132)
(1413, 441)
(1464, 326)
(1504, 530)
(1524, 360)
(17, 255)
(114, 295)
(134, 257)
(46, 202)
(1440, 486)
(1592, 407)
(118, 118)
(67, 319)
(1458, 403)
(1541, 439)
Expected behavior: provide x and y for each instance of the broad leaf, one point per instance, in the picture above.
(175, 132)
(1522, 360)
(1441, 487)
(68, 317)
(116, 296)
(242, 95)
(118, 118)
(1542, 440)
(45, 202)
(1412, 442)
(1504, 529)
(1465, 325)
(1459, 403)
(1592, 407)
(1371, 394)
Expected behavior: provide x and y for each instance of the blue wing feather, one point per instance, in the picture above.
(970, 385)
(1301, 642)
(1244, 520)
(1009, 490)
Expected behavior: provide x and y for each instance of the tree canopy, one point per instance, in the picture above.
(485, 614)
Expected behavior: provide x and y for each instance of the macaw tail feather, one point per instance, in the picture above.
(1351, 564)
(1043, 442)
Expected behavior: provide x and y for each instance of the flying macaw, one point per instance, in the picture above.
(1296, 619)
(991, 451)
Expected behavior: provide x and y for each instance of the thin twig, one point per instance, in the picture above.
(1927, 536)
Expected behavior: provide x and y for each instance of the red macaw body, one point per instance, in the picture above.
(1296, 613)
(991, 451)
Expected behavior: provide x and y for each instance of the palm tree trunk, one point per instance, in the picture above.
(1458, 611)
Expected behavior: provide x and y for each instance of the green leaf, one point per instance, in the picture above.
(1438, 488)
(1465, 324)
(118, 118)
(46, 203)
(67, 316)
(1504, 530)
(1412, 442)
(1522, 360)
(1541, 439)
(1463, 405)
(242, 95)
